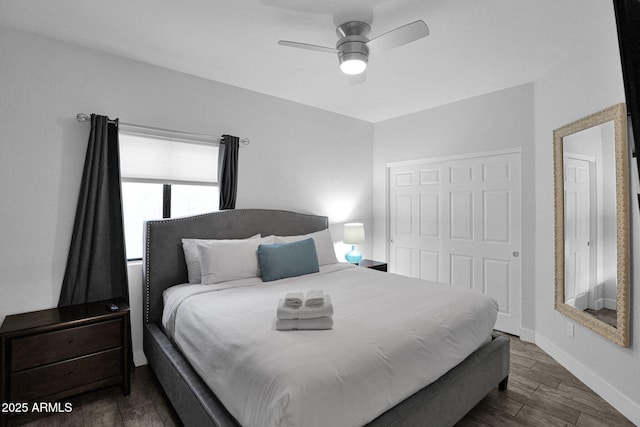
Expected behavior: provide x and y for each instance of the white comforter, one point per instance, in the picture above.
(392, 336)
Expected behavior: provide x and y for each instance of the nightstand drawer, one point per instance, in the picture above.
(51, 379)
(50, 347)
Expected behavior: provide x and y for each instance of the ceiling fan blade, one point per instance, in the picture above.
(356, 79)
(401, 35)
(307, 46)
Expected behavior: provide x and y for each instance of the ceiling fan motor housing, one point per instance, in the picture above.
(352, 43)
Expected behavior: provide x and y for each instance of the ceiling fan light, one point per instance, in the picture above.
(353, 63)
(353, 66)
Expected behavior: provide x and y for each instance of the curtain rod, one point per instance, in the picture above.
(82, 117)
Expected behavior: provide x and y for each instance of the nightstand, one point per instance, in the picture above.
(375, 265)
(51, 354)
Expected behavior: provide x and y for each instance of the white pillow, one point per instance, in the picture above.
(223, 261)
(190, 248)
(323, 241)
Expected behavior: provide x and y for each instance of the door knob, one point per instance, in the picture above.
(516, 254)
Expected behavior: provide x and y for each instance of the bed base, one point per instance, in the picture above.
(442, 403)
(192, 399)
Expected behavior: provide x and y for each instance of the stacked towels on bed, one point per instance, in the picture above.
(297, 312)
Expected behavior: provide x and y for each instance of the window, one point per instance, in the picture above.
(164, 174)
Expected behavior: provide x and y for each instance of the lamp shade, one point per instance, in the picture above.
(353, 233)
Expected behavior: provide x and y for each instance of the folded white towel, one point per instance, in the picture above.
(305, 312)
(318, 323)
(294, 299)
(314, 299)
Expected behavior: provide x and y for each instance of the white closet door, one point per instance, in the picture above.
(458, 221)
(416, 231)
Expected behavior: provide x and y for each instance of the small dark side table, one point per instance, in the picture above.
(375, 265)
(51, 354)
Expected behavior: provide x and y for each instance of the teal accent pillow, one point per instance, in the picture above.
(284, 260)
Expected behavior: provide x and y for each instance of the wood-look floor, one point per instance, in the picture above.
(540, 393)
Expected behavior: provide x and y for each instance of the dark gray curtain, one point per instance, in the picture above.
(228, 171)
(97, 267)
(628, 25)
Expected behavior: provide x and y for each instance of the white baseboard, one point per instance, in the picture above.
(611, 304)
(622, 403)
(527, 335)
(139, 358)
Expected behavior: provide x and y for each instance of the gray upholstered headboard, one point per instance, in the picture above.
(163, 258)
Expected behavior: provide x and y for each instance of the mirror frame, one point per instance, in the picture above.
(617, 114)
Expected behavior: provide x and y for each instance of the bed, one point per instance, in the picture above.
(480, 359)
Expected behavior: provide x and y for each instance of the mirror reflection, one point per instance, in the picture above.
(590, 221)
(591, 175)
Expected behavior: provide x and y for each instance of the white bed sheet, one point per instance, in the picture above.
(392, 336)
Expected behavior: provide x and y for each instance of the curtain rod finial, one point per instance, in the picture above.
(81, 117)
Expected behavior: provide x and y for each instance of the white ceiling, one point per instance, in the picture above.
(475, 46)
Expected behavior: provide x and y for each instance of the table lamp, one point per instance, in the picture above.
(353, 235)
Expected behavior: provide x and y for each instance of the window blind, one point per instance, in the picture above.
(152, 158)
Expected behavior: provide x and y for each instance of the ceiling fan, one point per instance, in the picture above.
(353, 45)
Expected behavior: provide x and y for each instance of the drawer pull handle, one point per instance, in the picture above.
(70, 373)
(70, 342)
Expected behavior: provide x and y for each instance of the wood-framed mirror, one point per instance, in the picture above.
(591, 189)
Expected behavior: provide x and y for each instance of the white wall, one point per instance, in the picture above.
(584, 83)
(489, 122)
(300, 158)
